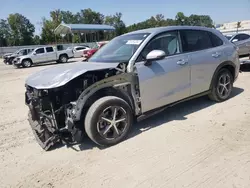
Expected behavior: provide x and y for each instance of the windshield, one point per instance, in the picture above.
(120, 49)
(17, 52)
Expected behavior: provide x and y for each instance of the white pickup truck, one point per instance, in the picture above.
(43, 55)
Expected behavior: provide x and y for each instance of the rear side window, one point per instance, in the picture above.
(49, 49)
(244, 37)
(195, 40)
(216, 41)
(80, 48)
(40, 51)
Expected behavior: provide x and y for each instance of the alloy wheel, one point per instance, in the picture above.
(112, 122)
(27, 63)
(224, 87)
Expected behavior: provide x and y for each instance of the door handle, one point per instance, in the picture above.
(217, 54)
(182, 62)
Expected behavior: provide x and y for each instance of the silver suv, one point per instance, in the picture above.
(133, 76)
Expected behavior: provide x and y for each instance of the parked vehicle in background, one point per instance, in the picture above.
(88, 53)
(10, 57)
(242, 41)
(133, 76)
(79, 50)
(43, 55)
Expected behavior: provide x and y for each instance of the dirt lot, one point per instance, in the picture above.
(195, 144)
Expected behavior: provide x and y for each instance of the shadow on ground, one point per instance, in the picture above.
(177, 112)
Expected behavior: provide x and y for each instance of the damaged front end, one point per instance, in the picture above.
(57, 113)
(50, 117)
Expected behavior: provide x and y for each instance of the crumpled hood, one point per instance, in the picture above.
(60, 75)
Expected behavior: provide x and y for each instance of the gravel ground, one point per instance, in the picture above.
(196, 144)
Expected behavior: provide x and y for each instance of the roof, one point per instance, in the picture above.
(74, 28)
(169, 28)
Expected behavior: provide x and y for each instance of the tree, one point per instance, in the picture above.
(117, 23)
(88, 16)
(36, 40)
(4, 33)
(181, 19)
(22, 30)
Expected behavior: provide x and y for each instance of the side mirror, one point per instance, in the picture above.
(154, 55)
(235, 40)
(34, 53)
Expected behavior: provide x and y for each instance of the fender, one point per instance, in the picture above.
(226, 63)
(113, 81)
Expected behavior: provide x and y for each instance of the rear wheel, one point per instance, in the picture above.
(108, 121)
(63, 58)
(26, 63)
(222, 86)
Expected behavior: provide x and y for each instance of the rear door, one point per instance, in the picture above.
(50, 54)
(205, 56)
(40, 56)
(167, 80)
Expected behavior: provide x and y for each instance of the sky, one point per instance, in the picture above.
(133, 10)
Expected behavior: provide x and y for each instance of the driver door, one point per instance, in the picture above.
(167, 80)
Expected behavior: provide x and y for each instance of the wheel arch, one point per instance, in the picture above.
(28, 59)
(84, 105)
(64, 54)
(228, 65)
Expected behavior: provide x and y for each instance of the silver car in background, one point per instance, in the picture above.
(131, 77)
(242, 41)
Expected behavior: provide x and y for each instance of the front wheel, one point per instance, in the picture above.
(108, 121)
(222, 86)
(26, 63)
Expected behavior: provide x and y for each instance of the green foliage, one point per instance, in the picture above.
(180, 19)
(18, 30)
(21, 29)
(4, 33)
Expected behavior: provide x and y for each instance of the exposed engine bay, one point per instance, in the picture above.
(56, 114)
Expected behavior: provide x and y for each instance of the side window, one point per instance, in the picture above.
(244, 37)
(80, 48)
(167, 42)
(195, 40)
(22, 52)
(49, 49)
(25, 52)
(216, 41)
(238, 37)
(40, 51)
(30, 50)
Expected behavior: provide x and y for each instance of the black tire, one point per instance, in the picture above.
(26, 63)
(215, 95)
(93, 117)
(11, 61)
(63, 58)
